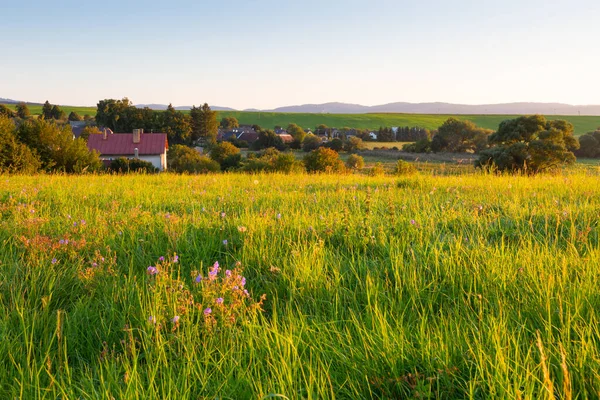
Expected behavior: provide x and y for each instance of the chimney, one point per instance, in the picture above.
(104, 134)
(136, 153)
(137, 135)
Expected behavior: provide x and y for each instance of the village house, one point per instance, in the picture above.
(245, 133)
(151, 147)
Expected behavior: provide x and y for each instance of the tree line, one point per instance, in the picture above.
(199, 127)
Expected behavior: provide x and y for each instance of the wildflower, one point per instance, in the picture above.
(246, 293)
(278, 216)
(54, 261)
(207, 311)
(161, 259)
(242, 229)
(74, 223)
(236, 287)
(203, 209)
(152, 270)
(152, 319)
(175, 258)
(219, 300)
(32, 211)
(61, 242)
(225, 242)
(413, 222)
(223, 215)
(243, 281)
(228, 273)
(102, 259)
(167, 215)
(82, 222)
(175, 319)
(94, 264)
(198, 279)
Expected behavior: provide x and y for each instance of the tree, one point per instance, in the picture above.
(89, 130)
(530, 144)
(311, 142)
(73, 116)
(57, 113)
(589, 145)
(229, 123)
(176, 125)
(23, 111)
(6, 112)
(15, 157)
(185, 159)
(335, 144)
(353, 144)
(460, 137)
(114, 114)
(266, 139)
(56, 148)
(297, 133)
(47, 110)
(323, 160)
(204, 125)
(221, 151)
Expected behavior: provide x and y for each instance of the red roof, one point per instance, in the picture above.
(121, 144)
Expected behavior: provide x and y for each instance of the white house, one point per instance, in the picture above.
(150, 147)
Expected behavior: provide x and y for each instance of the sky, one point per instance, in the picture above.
(265, 54)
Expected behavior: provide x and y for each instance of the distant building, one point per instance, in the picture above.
(150, 147)
(286, 138)
(245, 133)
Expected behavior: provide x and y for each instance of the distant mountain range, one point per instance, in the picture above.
(422, 108)
(410, 108)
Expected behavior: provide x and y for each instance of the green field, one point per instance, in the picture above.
(472, 286)
(36, 109)
(583, 124)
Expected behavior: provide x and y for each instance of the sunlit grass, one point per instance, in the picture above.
(470, 286)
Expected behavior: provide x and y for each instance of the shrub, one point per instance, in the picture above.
(287, 163)
(323, 160)
(271, 160)
(420, 146)
(377, 170)
(126, 165)
(353, 144)
(186, 159)
(232, 162)
(311, 142)
(15, 157)
(589, 145)
(355, 162)
(336, 145)
(404, 168)
(220, 151)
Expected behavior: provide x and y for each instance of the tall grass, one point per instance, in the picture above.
(470, 286)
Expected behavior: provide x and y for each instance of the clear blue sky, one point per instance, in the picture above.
(264, 54)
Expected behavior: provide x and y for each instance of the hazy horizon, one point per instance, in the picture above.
(266, 54)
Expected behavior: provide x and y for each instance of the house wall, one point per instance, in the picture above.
(158, 160)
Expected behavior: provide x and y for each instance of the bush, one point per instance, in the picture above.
(186, 159)
(311, 142)
(420, 146)
(355, 162)
(266, 139)
(220, 151)
(232, 162)
(126, 165)
(323, 160)
(336, 145)
(353, 144)
(377, 170)
(404, 168)
(271, 160)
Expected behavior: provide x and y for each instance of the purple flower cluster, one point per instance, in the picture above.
(212, 274)
(152, 270)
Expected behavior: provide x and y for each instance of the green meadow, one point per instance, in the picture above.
(421, 287)
(583, 124)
